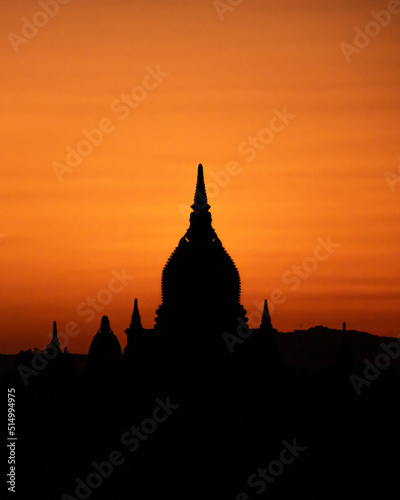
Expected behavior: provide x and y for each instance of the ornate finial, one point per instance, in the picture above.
(136, 323)
(55, 340)
(200, 229)
(200, 197)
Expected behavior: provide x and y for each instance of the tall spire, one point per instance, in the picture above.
(55, 340)
(200, 197)
(136, 323)
(266, 324)
(200, 229)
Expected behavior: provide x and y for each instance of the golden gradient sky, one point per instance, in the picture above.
(322, 174)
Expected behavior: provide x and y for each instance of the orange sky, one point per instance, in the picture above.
(220, 82)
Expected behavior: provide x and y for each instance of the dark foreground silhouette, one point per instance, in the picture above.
(201, 407)
(205, 431)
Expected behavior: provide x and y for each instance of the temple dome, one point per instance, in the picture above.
(105, 348)
(200, 283)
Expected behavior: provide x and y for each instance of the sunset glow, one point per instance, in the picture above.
(296, 137)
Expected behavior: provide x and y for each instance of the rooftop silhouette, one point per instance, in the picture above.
(200, 283)
(200, 289)
(239, 394)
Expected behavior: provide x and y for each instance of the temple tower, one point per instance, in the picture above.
(200, 283)
(135, 329)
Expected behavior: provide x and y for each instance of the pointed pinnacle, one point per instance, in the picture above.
(200, 197)
(136, 323)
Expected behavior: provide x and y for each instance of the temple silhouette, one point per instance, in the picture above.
(89, 426)
(200, 313)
